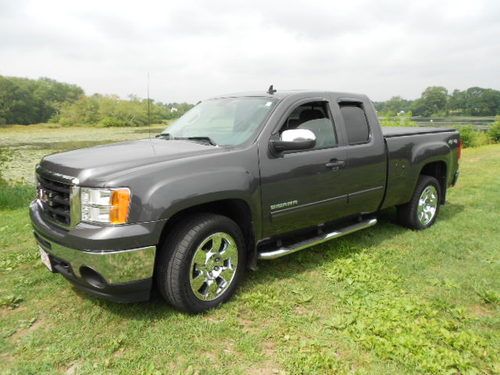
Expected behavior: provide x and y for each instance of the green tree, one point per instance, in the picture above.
(28, 101)
(394, 105)
(457, 102)
(482, 102)
(17, 105)
(432, 101)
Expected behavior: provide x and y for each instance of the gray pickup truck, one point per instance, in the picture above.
(237, 179)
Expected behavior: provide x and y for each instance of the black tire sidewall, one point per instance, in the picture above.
(183, 248)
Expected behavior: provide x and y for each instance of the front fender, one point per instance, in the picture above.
(167, 198)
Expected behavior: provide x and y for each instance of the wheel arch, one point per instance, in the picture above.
(437, 169)
(235, 209)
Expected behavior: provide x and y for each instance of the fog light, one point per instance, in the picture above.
(92, 277)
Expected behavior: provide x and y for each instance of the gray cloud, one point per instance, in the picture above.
(195, 49)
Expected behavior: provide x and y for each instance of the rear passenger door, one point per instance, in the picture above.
(365, 169)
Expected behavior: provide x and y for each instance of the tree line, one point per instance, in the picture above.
(28, 101)
(436, 101)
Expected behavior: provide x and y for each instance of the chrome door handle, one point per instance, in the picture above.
(335, 164)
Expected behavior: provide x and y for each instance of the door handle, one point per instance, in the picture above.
(335, 164)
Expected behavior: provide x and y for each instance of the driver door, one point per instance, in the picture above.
(304, 188)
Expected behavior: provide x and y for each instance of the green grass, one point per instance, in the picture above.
(386, 300)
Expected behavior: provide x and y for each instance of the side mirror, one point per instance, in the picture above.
(294, 140)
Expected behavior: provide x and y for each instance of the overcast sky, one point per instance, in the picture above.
(197, 49)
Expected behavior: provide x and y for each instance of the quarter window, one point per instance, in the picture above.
(356, 124)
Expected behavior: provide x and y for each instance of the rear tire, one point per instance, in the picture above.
(423, 208)
(201, 262)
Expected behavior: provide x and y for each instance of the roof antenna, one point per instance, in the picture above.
(271, 90)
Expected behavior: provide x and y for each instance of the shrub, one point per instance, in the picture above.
(111, 111)
(403, 119)
(471, 137)
(15, 195)
(108, 122)
(494, 131)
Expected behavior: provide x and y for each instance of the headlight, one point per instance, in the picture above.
(105, 205)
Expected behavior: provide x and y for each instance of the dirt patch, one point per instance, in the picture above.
(269, 366)
(72, 369)
(481, 311)
(265, 368)
(26, 328)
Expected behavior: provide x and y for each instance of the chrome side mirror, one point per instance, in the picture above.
(294, 140)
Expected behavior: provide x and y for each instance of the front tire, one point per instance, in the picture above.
(422, 210)
(201, 262)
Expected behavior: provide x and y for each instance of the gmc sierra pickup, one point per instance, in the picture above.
(238, 178)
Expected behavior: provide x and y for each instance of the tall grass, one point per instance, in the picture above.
(12, 195)
(15, 195)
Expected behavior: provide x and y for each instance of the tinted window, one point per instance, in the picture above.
(355, 122)
(315, 117)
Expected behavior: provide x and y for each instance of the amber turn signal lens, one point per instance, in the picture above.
(120, 200)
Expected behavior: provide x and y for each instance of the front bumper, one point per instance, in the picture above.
(119, 274)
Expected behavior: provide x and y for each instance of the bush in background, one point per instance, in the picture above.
(494, 131)
(395, 120)
(471, 137)
(109, 110)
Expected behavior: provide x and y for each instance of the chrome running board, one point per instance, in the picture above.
(282, 251)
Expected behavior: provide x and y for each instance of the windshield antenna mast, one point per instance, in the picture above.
(149, 111)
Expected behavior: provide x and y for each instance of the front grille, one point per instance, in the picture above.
(55, 199)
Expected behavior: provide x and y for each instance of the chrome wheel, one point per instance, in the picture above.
(213, 266)
(427, 205)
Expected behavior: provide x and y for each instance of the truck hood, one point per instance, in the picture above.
(97, 163)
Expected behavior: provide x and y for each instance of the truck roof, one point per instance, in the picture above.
(282, 94)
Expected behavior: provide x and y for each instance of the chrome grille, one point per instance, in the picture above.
(54, 196)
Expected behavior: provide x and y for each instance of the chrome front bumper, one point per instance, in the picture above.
(115, 267)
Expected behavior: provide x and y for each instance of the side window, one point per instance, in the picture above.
(356, 123)
(313, 116)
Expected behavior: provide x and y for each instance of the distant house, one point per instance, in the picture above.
(173, 110)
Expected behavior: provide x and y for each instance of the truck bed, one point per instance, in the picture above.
(389, 131)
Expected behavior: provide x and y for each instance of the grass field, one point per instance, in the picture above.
(386, 300)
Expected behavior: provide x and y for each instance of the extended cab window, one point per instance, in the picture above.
(356, 124)
(313, 116)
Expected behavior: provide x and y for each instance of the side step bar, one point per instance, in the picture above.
(282, 251)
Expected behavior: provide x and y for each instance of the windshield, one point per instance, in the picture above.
(225, 121)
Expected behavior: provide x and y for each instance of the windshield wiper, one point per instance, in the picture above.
(202, 139)
(164, 136)
(207, 140)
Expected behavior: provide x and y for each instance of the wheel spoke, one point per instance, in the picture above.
(227, 273)
(216, 244)
(211, 291)
(198, 281)
(200, 257)
(230, 252)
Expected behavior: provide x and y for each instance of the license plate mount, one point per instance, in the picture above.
(44, 256)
